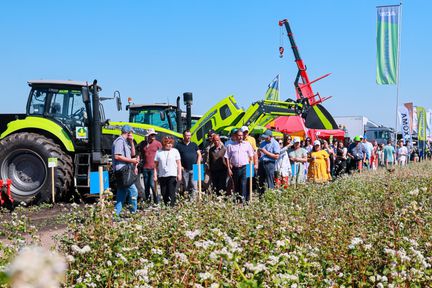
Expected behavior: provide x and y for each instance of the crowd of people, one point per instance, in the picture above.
(277, 163)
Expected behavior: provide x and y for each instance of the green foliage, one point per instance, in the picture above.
(372, 229)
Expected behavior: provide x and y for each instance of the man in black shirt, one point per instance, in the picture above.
(189, 154)
(217, 168)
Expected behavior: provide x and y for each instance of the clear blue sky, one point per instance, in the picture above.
(156, 50)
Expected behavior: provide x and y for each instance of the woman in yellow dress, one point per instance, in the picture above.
(319, 167)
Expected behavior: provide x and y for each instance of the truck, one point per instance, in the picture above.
(63, 120)
(362, 126)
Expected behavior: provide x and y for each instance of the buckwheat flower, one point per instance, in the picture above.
(204, 244)
(414, 192)
(286, 277)
(205, 276)
(109, 263)
(280, 243)
(380, 285)
(367, 247)
(192, 234)
(70, 258)
(119, 255)
(259, 267)
(85, 249)
(214, 255)
(259, 227)
(214, 285)
(142, 275)
(165, 261)
(273, 260)
(156, 251)
(182, 257)
(198, 285)
(354, 242)
(36, 267)
(390, 251)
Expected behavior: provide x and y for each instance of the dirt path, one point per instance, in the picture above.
(50, 222)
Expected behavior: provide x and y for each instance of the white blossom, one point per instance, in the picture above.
(192, 234)
(36, 267)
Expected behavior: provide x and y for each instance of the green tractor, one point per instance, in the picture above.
(63, 120)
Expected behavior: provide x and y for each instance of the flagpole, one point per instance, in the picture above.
(398, 69)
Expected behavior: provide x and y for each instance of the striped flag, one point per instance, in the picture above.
(273, 90)
(387, 44)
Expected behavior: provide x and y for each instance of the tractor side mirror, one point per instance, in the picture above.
(85, 94)
(118, 100)
(162, 115)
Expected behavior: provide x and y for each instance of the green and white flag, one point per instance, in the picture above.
(422, 123)
(387, 44)
(273, 90)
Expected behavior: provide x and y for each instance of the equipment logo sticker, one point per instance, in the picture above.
(81, 132)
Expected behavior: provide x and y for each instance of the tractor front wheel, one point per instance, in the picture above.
(24, 160)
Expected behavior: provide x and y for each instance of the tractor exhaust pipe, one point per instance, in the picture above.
(96, 126)
(179, 116)
(188, 100)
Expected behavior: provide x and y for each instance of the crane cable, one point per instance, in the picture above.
(281, 42)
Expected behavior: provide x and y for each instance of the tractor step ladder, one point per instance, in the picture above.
(82, 170)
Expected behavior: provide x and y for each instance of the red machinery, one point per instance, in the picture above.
(304, 89)
(5, 185)
(317, 116)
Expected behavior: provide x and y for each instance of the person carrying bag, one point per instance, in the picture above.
(125, 169)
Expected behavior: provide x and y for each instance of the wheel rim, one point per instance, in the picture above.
(26, 169)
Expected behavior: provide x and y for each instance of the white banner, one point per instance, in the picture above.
(414, 124)
(404, 121)
(429, 123)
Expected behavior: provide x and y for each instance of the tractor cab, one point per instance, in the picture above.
(61, 101)
(161, 115)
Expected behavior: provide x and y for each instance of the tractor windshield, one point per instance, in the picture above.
(155, 116)
(65, 105)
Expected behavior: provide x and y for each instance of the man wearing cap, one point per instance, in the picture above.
(237, 156)
(123, 151)
(298, 158)
(148, 149)
(357, 154)
(268, 154)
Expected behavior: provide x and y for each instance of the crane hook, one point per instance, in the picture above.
(281, 51)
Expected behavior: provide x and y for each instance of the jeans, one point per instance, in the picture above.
(240, 183)
(266, 172)
(149, 184)
(121, 196)
(168, 189)
(189, 184)
(218, 179)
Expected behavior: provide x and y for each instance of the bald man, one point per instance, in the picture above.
(217, 168)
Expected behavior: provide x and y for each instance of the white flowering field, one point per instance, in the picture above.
(372, 229)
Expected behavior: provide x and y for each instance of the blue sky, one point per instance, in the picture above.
(154, 51)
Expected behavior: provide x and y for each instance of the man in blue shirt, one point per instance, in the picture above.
(268, 153)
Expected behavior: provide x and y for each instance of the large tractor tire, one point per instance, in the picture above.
(24, 160)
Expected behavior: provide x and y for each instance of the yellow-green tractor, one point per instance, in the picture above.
(63, 120)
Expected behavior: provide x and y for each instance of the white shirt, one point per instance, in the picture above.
(167, 162)
(402, 153)
(283, 165)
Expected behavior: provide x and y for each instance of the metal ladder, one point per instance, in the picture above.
(82, 170)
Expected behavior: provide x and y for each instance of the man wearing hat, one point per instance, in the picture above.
(123, 151)
(148, 149)
(357, 154)
(268, 154)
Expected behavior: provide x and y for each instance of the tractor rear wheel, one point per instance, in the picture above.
(24, 160)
